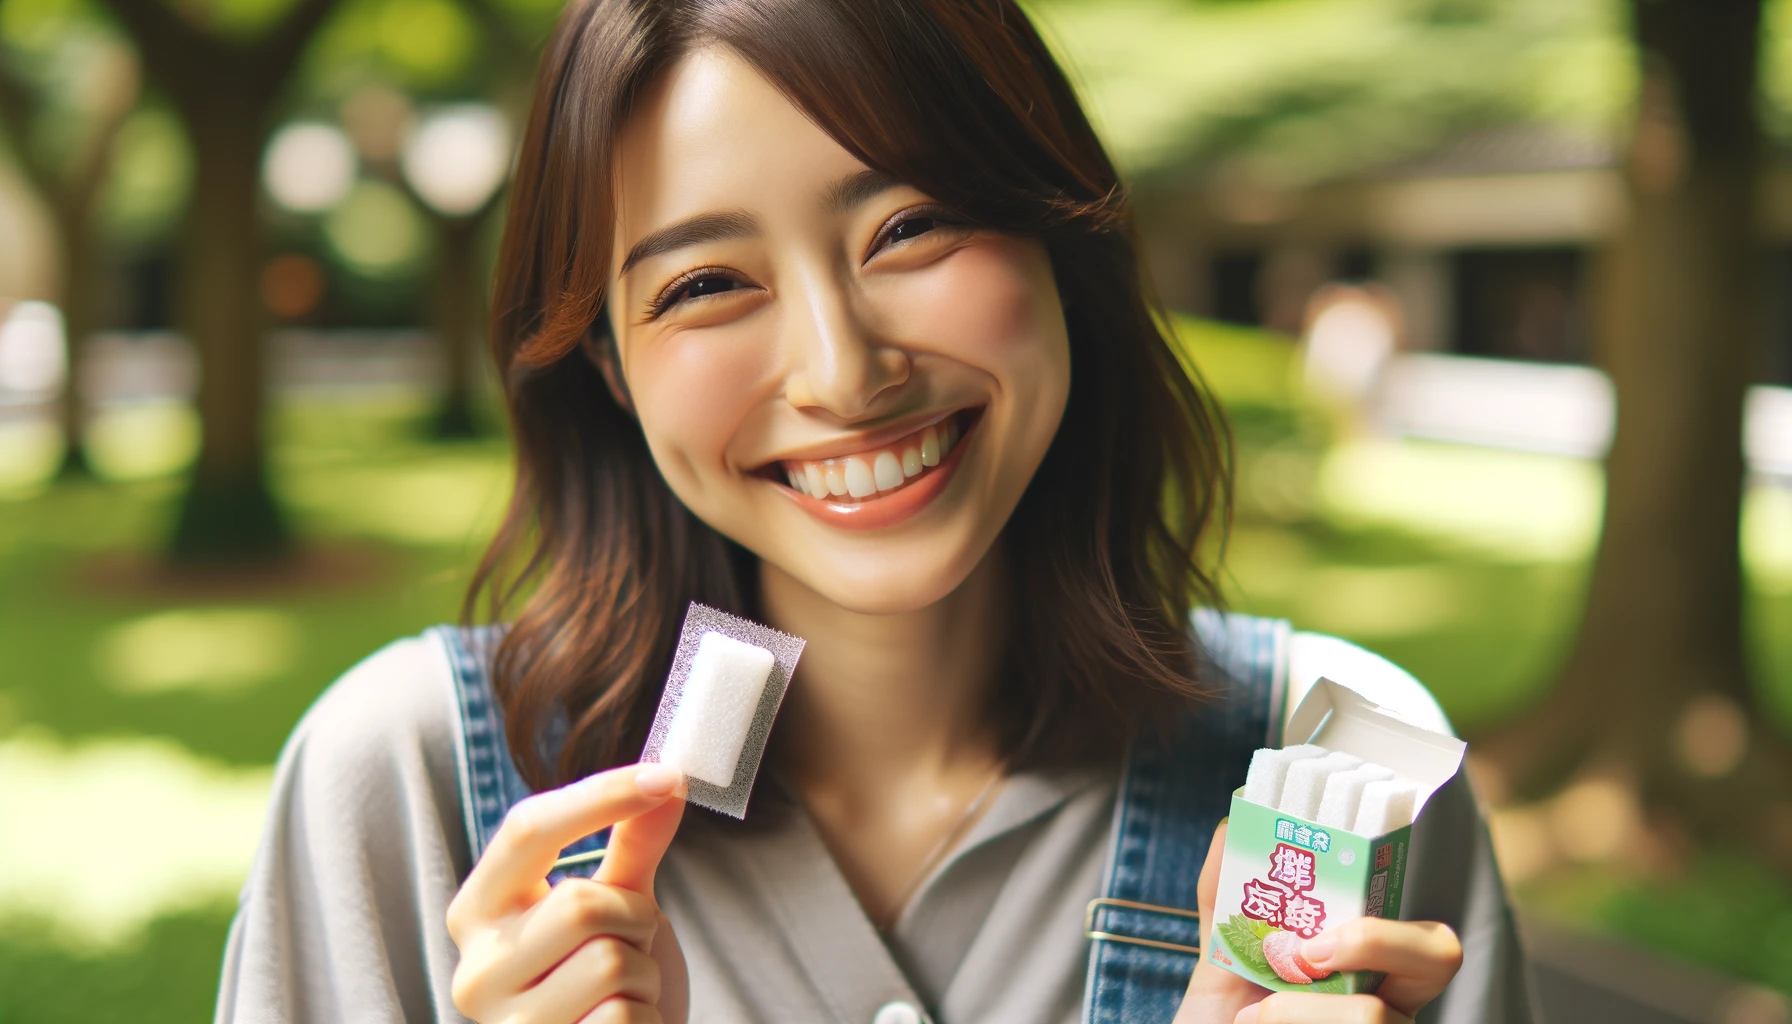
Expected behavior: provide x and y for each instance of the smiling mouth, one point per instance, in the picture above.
(866, 476)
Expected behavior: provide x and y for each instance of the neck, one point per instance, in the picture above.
(883, 696)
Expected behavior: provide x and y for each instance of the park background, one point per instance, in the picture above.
(1423, 250)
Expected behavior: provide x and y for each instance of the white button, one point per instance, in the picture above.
(897, 1013)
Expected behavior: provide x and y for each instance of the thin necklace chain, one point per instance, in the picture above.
(941, 847)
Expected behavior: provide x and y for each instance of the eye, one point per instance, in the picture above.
(697, 284)
(910, 228)
(913, 225)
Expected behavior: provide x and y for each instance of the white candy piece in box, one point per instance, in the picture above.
(1307, 779)
(1344, 793)
(1269, 770)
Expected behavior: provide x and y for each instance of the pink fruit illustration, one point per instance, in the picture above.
(1306, 968)
(1282, 950)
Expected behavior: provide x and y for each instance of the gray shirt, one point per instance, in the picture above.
(343, 915)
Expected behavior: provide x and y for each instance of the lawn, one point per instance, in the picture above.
(138, 723)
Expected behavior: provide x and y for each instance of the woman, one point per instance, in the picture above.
(826, 312)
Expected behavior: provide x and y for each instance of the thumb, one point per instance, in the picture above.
(638, 843)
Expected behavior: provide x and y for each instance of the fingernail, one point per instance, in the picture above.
(1223, 821)
(1248, 1015)
(659, 780)
(1319, 948)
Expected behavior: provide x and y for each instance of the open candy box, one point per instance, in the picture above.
(1319, 835)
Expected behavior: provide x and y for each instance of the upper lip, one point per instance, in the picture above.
(864, 441)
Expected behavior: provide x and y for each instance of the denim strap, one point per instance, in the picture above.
(1146, 934)
(489, 782)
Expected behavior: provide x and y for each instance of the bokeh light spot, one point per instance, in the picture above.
(375, 231)
(292, 285)
(309, 167)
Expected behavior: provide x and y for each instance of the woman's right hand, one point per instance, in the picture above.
(590, 951)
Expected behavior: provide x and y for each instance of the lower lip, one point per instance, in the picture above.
(892, 509)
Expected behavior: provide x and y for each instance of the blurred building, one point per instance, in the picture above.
(1488, 241)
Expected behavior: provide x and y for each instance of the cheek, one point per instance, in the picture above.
(692, 394)
(991, 305)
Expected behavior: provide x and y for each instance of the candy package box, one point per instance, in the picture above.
(1319, 836)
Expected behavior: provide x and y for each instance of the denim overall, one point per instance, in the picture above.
(1145, 936)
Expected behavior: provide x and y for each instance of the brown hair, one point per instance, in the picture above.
(596, 557)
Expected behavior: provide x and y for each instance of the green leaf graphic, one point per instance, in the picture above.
(1334, 984)
(1245, 936)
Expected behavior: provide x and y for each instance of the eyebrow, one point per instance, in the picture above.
(854, 189)
(705, 227)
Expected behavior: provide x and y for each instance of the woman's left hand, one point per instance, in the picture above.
(1418, 957)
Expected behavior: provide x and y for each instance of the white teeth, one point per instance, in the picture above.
(859, 482)
(887, 471)
(866, 474)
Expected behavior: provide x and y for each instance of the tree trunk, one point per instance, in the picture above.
(457, 306)
(228, 513)
(1679, 324)
(80, 318)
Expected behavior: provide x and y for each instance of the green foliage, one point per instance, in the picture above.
(423, 45)
(1306, 89)
(243, 20)
(151, 175)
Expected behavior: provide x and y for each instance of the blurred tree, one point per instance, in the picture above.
(460, 286)
(62, 128)
(1656, 692)
(223, 65)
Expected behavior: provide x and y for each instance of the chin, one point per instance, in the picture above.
(886, 580)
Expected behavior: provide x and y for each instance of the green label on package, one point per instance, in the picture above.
(1283, 880)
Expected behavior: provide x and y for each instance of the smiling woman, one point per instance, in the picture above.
(825, 313)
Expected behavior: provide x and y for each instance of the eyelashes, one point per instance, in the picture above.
(698, 283)
(704, 282)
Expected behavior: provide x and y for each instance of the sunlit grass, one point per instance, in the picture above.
(143, 440)
(104, 836)
(198, 648)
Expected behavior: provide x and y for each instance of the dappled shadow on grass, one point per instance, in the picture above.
(168, 974)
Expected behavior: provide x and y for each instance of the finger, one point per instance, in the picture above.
(602, 969)
(1214, 993)
(636, 846)
(576, 911)
(623, 1011)
(1207, 885)
(1318, 1008)
(515, 865)
(1419, 957)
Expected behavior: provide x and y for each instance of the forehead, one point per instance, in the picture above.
(715, 134)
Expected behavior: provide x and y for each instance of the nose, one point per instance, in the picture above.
(838, 364)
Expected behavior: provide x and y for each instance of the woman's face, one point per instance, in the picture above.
(829, 368)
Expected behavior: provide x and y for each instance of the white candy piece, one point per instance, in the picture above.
(1269, 769)
(1344, 793)
(1306, 782)
(1385, 806)
(715, 708)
